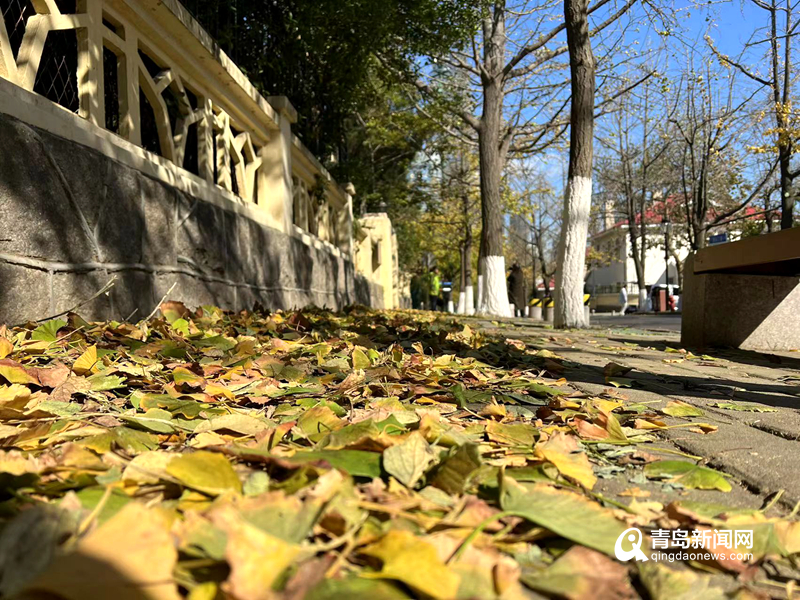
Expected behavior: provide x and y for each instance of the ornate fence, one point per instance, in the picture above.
(145, 71)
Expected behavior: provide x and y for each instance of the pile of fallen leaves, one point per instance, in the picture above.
(312, 455)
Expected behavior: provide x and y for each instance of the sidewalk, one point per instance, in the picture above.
(752, 398)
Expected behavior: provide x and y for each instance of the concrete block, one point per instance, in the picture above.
(24, 294)
(195, 291)
(159, 208)
(37, 218)
(754, 312)
(201, 235)
(70, 289)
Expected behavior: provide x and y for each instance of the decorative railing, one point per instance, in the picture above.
(146, 71)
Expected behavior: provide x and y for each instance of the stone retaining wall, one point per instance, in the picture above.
(71, 219)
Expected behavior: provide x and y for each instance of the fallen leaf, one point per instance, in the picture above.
(407, 462)
(205, 471)
(408, 559)
(562, 450)
(130, 557)
(687, 474)
(581, 574)
(86, 362)
(676, 408)
(565, 513)
(256, 558)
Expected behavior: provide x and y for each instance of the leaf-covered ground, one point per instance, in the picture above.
(312, 455)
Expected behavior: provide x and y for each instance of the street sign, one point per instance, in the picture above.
(720, 238)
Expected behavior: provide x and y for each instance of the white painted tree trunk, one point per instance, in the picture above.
(480, 289)
(469, 303)
(495, 292)
(461, 309)
(642, 306)
(578, 198)
(572, 254)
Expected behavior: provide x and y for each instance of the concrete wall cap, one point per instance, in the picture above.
(282, 105)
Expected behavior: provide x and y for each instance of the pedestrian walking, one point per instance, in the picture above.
(623, 299)
(516, 289)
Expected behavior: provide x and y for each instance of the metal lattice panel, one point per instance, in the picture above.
(57, 77)
(15, 17)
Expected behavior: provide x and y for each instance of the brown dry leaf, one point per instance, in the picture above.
(582, 574)
(589, 431)
(55, 376)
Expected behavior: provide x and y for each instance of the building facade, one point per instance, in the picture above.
(612, 266)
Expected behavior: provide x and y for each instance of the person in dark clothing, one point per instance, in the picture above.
(416, 291)
(516, 289)
(435, 288)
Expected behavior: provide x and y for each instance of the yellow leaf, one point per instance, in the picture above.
(6, 347)
(14, 372)
(183, 375)
(256, 558)
(86, 362)
(130, 557)
(207, 472)
(409, 559)
(213, 389)
(148, 467)
(562, 450)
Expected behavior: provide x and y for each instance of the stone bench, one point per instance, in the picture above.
(744, 294)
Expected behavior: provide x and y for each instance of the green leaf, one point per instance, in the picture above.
(512, 434)
(156, 420)
(207, 472)
(61, 409)
(188, 408)
(664, 583)
(48, 331)
(126, 438)
(407, 462)
(92, 497)
(676, 408)
(104, 383)
(565, 513)
(744, 407)
(357, 463)
(540, 389)
(317, 422)
(455, 472)
(360, 359)
(356, 588)
(688, 474)
(464, 396)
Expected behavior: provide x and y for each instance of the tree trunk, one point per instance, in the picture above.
(466, 300)
(546, 273)
(577, 202)
(787, 198)
(494, 299)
